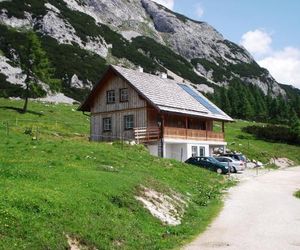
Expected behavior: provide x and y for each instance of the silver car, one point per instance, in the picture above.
(235, 165)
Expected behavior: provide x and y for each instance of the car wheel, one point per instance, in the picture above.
(219, 170)
(233, 170)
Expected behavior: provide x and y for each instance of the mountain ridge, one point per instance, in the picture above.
(128, 33)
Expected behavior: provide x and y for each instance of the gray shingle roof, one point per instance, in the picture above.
(169, 96)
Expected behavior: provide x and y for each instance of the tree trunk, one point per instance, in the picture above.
(24, 110)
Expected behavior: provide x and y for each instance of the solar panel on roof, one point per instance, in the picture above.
(200, 99)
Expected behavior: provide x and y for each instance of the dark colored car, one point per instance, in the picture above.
(238, 157)
(208, 163)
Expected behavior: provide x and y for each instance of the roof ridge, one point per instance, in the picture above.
(166, 80)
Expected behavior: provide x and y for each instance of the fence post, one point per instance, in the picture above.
(16, 121)
(181, 154)
(229, 169)
(37, 133)
(7, 128)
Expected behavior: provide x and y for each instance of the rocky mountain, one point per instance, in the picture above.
(82, 36)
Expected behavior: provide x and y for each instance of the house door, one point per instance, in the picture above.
(201, 151)
(194, 151)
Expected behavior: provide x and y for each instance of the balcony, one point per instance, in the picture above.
(192, 134)
(148, 134)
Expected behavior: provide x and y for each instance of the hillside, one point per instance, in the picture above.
(59, 187)
(82, 37)
(56, 187)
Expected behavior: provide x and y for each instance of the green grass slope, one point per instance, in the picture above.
(257, 149)
(54, 182)
(62, 184)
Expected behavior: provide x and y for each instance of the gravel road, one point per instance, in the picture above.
(260, 213)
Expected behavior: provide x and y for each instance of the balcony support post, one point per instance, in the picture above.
(162, 125)
(186, 127)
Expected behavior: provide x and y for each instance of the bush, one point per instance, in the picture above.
(274, 133)
(272, 166)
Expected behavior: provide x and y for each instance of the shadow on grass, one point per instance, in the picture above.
(20, 110)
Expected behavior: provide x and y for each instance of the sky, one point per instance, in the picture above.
(268, 29)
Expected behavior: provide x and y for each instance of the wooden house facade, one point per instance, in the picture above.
(172, 119)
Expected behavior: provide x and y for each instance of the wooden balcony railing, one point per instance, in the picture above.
(146, 134)
(192, 134)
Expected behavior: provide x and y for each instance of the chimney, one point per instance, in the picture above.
(140, 69)
(164, 76)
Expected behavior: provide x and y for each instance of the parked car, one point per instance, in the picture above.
(236, 156)
(235, 165)
(208, 163)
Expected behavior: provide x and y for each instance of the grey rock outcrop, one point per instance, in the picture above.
(193, 40)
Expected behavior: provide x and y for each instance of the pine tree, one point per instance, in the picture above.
(225, 103)
(233, 97)
(283, 110)
(36, 66)
(294, 122)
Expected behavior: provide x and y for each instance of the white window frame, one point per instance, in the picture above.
(194, 151)
(107, 124)
(201, 148)
(124, 97)
(110, 96)
(128, 122)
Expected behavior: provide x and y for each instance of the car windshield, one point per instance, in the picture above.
(237, 157)
(241, 158)
(211, 159)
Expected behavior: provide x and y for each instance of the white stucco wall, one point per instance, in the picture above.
(153, 149)
(176, 151)
(182, 149)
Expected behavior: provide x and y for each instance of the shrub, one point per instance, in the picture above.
(271, 166)
(297, 194)
(274, 133)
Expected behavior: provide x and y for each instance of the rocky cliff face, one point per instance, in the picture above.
(112, 31)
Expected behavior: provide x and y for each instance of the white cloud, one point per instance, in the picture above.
(167, 3)
(257, 42)
(284, 65)
(199, 10)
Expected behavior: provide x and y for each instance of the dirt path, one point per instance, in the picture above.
(260, 213)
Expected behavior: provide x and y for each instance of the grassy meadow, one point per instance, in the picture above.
(54, 183)
(257, 149)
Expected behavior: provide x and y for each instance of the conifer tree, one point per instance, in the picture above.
(225, 103)
(294, 122)
(36, 66)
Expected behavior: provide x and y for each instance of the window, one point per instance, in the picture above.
(107, 124)
(202, 151)
(194, 151)
(128, 122)
(124, 95)
(110, 96)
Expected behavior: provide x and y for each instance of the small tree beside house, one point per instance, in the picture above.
(37, 68)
